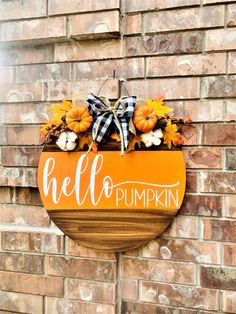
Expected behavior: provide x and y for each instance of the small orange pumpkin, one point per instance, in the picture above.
(144, 118)
(79, 119)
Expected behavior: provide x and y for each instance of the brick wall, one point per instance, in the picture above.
(183, 49)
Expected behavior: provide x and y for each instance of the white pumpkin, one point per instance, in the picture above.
(67, 141)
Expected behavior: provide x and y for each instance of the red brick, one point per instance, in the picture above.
(6, 74)
(64, 90)
(5, 195)
(220, 86)
(184, 227)
(34, 284)
(218, 277)
(133, 24)
(183, 250)
(128, 68)
(22, 92)
(219, 134)
(27, 55)
(185, 296)
(219, 230)
(95, 25)
(18, 177)
(178, 107)
(20, 156)
(218, 182)
(21, 302)
(228, 301)
(191, 182)
(184, 19)
(13, 10)
(203, 157)
(89, 50)
(220, 39)
(232, 63)
(24, 263)
(230, 162)
(231, 18)
(186, 65)
(27, 196)
(190, 134)
(230, 254)
(131, 252)
(23, 215)
(81, 268)
(170, 88)
(91, 291)
(230, 206)
(142, 308)
(43, 72)
(59, 306)
(129, 289)
(72, 6)
(37, 30)
(204, 110)
(32, 242)
(25, 113)
(23, 135)
(216, 1)
(138, 269)
(202, 205)
(163, 44)
(140, 5)
(74, 249)
(3, 137)
(231, 110)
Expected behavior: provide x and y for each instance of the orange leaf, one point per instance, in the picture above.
(178, 140)
(158, 106)
(59, 110)
(171, 136)
(133, 141)
(95, 147)
(85, 140)
(115, 137)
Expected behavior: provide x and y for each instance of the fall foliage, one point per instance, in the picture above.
(158, 106)
(171, 135)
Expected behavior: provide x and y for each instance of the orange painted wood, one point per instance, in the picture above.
(108, 202)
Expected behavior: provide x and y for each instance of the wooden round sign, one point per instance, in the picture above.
(112, 203)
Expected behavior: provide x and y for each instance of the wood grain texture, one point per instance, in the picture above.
(111, 231)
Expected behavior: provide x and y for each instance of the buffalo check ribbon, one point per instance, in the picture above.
(106, 113)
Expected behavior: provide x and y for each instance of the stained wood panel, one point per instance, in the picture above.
(111, 225)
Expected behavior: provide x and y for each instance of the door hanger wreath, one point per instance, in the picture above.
(96, 197)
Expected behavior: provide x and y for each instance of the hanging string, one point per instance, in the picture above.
(113, 77)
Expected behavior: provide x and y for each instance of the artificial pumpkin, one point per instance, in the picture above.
(79, 119)
(144, 118)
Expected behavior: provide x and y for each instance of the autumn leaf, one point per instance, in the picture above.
(133, 141)
(95, 147)
(60, 110)
(171, 135)
(158, 106)
(116, 137)
(85, 140)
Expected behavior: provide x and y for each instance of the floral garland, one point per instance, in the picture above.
(93, 122)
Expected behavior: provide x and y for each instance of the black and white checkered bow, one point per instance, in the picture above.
(105, 114)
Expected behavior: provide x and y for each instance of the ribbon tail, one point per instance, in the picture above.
(101, 127)
(125, 130)
(123, 127)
